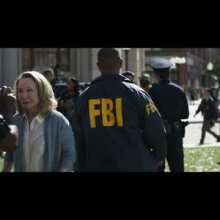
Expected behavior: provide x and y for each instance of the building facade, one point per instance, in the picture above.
(189, 73)
(78, 62)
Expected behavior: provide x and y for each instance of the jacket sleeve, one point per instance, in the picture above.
(80, 147)
(185, 107)
(154, 131)
(68, 146)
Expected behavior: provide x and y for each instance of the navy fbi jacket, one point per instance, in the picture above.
(119, 128)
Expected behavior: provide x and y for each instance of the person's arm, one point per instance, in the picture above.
(185, 107)
(154, 131)
(200, 108)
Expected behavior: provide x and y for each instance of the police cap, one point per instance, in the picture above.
(160, 63)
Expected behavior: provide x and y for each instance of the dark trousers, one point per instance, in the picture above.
(175, 153)
(206, 127)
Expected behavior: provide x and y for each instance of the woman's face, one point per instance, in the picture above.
(28, 97)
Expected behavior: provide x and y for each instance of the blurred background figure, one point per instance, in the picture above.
(209, 110)
(49, 74)
(67, 100)
(145, 82)
(8, 133)
(7, 103)
(130, 75)
(8, 136)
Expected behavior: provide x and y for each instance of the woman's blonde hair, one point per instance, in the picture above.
(45, 92)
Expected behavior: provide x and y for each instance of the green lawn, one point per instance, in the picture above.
(200, 159)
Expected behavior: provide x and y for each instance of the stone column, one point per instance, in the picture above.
(95, 69)
(73, 62)
(85, 64)
(11, 65)
(133, 62)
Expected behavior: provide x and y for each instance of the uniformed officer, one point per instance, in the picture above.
(119, 127)
(171, 102)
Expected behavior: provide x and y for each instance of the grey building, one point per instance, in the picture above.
(10, 65)
(78, 62)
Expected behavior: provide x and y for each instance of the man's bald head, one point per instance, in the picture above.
(109, 61)
(108, 53)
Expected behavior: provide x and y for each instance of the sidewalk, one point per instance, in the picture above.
(202, 146)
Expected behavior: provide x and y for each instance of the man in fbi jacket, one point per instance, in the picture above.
(118, 126)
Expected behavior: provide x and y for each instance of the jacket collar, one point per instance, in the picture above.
(111, 77)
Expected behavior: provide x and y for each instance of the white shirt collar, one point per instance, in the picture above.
(38, 118)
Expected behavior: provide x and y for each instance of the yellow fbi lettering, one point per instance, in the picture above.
(104, 108)
(150, 108)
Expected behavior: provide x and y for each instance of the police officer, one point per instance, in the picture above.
(171, 102)
(119, 128)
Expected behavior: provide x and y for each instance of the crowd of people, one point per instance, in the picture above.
(114, 125)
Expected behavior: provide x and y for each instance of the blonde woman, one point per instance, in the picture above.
(46, 141)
